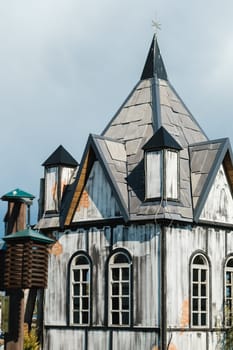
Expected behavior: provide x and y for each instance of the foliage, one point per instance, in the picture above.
(228, 339)
(30, 340)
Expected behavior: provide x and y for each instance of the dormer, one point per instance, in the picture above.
(161, 159)
(59, 169)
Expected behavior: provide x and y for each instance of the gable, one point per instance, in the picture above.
(97, 200)
(219, 204)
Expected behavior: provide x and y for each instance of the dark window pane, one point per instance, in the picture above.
(115, 304)
(195, 275)
(76, 289)
(125, 274)
(115, 318)
(228, 291)
(195, 289)
(81, 260)
(195, 319)
(85, 288)
(228, 304)
(76, 303)
(85, 303)
(125, 288)
(203, 275)
(84, 317)
(76, 275)
(203, 290)
(125, 303)
(199, 260)
(115, 274)
(230, 263)
(203, 319)
(76, 317)
(115, 289)
(121, 258)
(195, 304)
(125, 318)
(86, 275)
(203, 304)
(228, 277)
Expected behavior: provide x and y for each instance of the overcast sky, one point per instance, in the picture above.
(67, 65)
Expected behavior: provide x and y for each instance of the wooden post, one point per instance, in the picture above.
(16, 220)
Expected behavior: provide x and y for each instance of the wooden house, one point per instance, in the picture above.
(144, 230)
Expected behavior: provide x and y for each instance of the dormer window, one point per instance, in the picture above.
(59, 168)
(161, 167)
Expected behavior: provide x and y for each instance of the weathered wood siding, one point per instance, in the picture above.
(73, 339)
(196, 340)
(219, 204)
(134, 340)
(181, 243)
(55, 311)
(60, 339)
(99, 249)
(97, 200)
(142, 242)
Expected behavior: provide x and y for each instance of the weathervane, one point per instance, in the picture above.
(157, 26)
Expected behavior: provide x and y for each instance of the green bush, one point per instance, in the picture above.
(30, 340)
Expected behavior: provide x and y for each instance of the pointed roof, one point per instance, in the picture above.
(153, 115)
(154, 66)
(60, 157)
(112, 157)
(28, 234)
(160, 140)
(205, 159)
(17, 194)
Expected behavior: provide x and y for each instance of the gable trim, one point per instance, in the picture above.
(91, 153)
(219, 159)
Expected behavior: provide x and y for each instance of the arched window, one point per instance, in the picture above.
(80, 285)
(199, 291)
(119, 289)
(229, 292)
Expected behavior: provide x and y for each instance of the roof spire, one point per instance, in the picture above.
(154, 65)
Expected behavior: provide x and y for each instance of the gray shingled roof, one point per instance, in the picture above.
(151, 104)
(137, 121)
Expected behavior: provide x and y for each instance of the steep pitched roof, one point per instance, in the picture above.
(205, 160)
(152, 105)
(160, 140)
(112, 156)
(60, 157)
(154, 65)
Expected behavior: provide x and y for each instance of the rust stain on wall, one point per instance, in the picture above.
(184, 322)
(84, 201)
(56, 249)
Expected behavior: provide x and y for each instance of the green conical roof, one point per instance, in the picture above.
(28, 234)
(17, 194)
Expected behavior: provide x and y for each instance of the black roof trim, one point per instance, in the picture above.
(160, 140)
(154, 65)
(60, 157)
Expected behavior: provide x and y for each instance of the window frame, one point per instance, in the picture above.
(199, 296)
(120, 311)
(228, 269)
(81, 296)
(163, 169)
